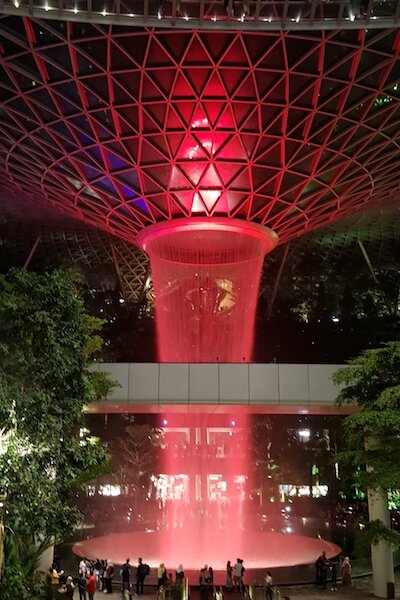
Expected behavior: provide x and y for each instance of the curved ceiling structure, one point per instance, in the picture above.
(129, 128)
(124, 128)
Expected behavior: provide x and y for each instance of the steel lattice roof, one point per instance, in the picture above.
(123, 128)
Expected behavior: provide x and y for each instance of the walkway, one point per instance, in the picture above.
(361, 590)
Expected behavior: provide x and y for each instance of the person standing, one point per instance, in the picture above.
(141, 571)
(162, 576)
(54, 580)
(268, 586)
(320, 571)
(69, 588)
(242, 572)
(229, 575)
(108, 577)
(237, 576)
(346, 572)
(126, 576)
(205, 583)
(82, 585)
(82, 567)
(91, 585)
(179, 575)
(334, 576)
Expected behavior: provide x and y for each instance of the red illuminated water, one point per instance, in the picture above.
(203, 504)
(206, 275)
(259, 550)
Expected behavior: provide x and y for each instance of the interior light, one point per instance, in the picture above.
(76, 10)
(46, 7)
(16, 3)
(304, 433)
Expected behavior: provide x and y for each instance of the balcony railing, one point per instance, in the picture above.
(256, 15)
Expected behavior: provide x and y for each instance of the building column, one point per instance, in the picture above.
(381, 553)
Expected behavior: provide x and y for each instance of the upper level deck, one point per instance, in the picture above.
(251, 15)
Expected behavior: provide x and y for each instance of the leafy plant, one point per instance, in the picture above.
(46, 344)
(21, 578)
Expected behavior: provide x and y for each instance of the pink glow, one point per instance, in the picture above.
(258, 549)
(206, 275)
(203, 504)
(201, 498)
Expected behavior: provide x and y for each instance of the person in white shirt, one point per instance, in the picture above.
(82, 567)
(237, 576)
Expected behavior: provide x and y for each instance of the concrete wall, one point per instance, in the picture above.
(254, 384)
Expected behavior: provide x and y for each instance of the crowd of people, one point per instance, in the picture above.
(99, 576)
(323, 565)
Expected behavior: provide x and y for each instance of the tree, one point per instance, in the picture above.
(46, 344)
(138, 451)
(372, 439)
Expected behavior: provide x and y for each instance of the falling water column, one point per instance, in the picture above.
(206, 274)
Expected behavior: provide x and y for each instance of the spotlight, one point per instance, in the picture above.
(233, 423)
(165, 422)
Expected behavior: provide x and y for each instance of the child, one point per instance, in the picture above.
(218, 594)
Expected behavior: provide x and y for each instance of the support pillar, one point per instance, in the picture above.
(381, 553)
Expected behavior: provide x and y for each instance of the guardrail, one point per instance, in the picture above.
(256, 15)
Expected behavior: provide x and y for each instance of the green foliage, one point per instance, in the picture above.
(46, 341)
(373, 533)
(20, 578)
(372, 434)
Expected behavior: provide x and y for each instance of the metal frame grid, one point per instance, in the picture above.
(215, 14)
(124, 128)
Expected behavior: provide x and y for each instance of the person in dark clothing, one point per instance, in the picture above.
(333, 567)
(205, 583)
(179, 575)
(69, 588)
(268, 585)
(82, 586)
(126, 576)
(141, 571)
(320, 571)
(109, 576)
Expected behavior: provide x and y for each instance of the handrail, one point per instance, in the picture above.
(258, 15)
(185, 592)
